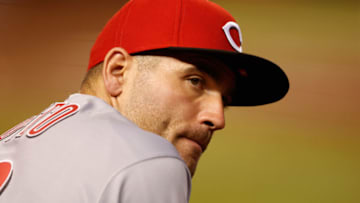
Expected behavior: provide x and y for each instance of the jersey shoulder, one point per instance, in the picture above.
(100, 124)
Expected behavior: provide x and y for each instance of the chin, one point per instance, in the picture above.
(191, 163)
(189, 151)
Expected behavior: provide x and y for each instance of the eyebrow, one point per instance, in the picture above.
(190, 69)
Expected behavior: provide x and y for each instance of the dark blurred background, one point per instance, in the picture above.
(305, 148)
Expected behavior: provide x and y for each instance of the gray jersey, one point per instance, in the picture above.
(83, 150)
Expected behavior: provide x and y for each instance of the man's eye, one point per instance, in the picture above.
(196, 81)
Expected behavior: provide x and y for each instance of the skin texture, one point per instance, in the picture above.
(177, 100)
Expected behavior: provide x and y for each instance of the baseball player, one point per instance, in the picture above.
(159, 76)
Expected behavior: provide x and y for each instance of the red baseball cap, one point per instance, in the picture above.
(192, 26)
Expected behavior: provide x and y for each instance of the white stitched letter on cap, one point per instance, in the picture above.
(226, 29)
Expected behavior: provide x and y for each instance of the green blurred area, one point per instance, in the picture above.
(303, 149)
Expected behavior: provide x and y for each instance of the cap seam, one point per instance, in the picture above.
(178, 25)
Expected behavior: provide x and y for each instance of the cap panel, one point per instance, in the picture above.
(202, 26)
(151, 26)
(140, 25)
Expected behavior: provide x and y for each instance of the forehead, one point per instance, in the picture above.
(210, 66)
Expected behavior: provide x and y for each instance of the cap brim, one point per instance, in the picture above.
(258, 81)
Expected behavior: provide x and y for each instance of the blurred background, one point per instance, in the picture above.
(304, 148)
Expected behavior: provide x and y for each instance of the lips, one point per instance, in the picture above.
(203, 146)
(202, 140)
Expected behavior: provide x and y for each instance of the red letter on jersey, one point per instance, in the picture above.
(52, 119)
(6, 168)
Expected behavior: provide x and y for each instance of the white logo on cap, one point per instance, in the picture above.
(226, 29)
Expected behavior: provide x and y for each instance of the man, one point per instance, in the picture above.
(159, 76)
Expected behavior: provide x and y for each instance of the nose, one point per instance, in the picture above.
(212, 112)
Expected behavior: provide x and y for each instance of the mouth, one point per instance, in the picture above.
(203, 145)
(200, 143)
(197, 144)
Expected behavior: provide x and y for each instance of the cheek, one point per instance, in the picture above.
(175, 98)
(164, 104)
(166, 93)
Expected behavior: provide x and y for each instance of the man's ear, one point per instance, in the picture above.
(117, 61)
